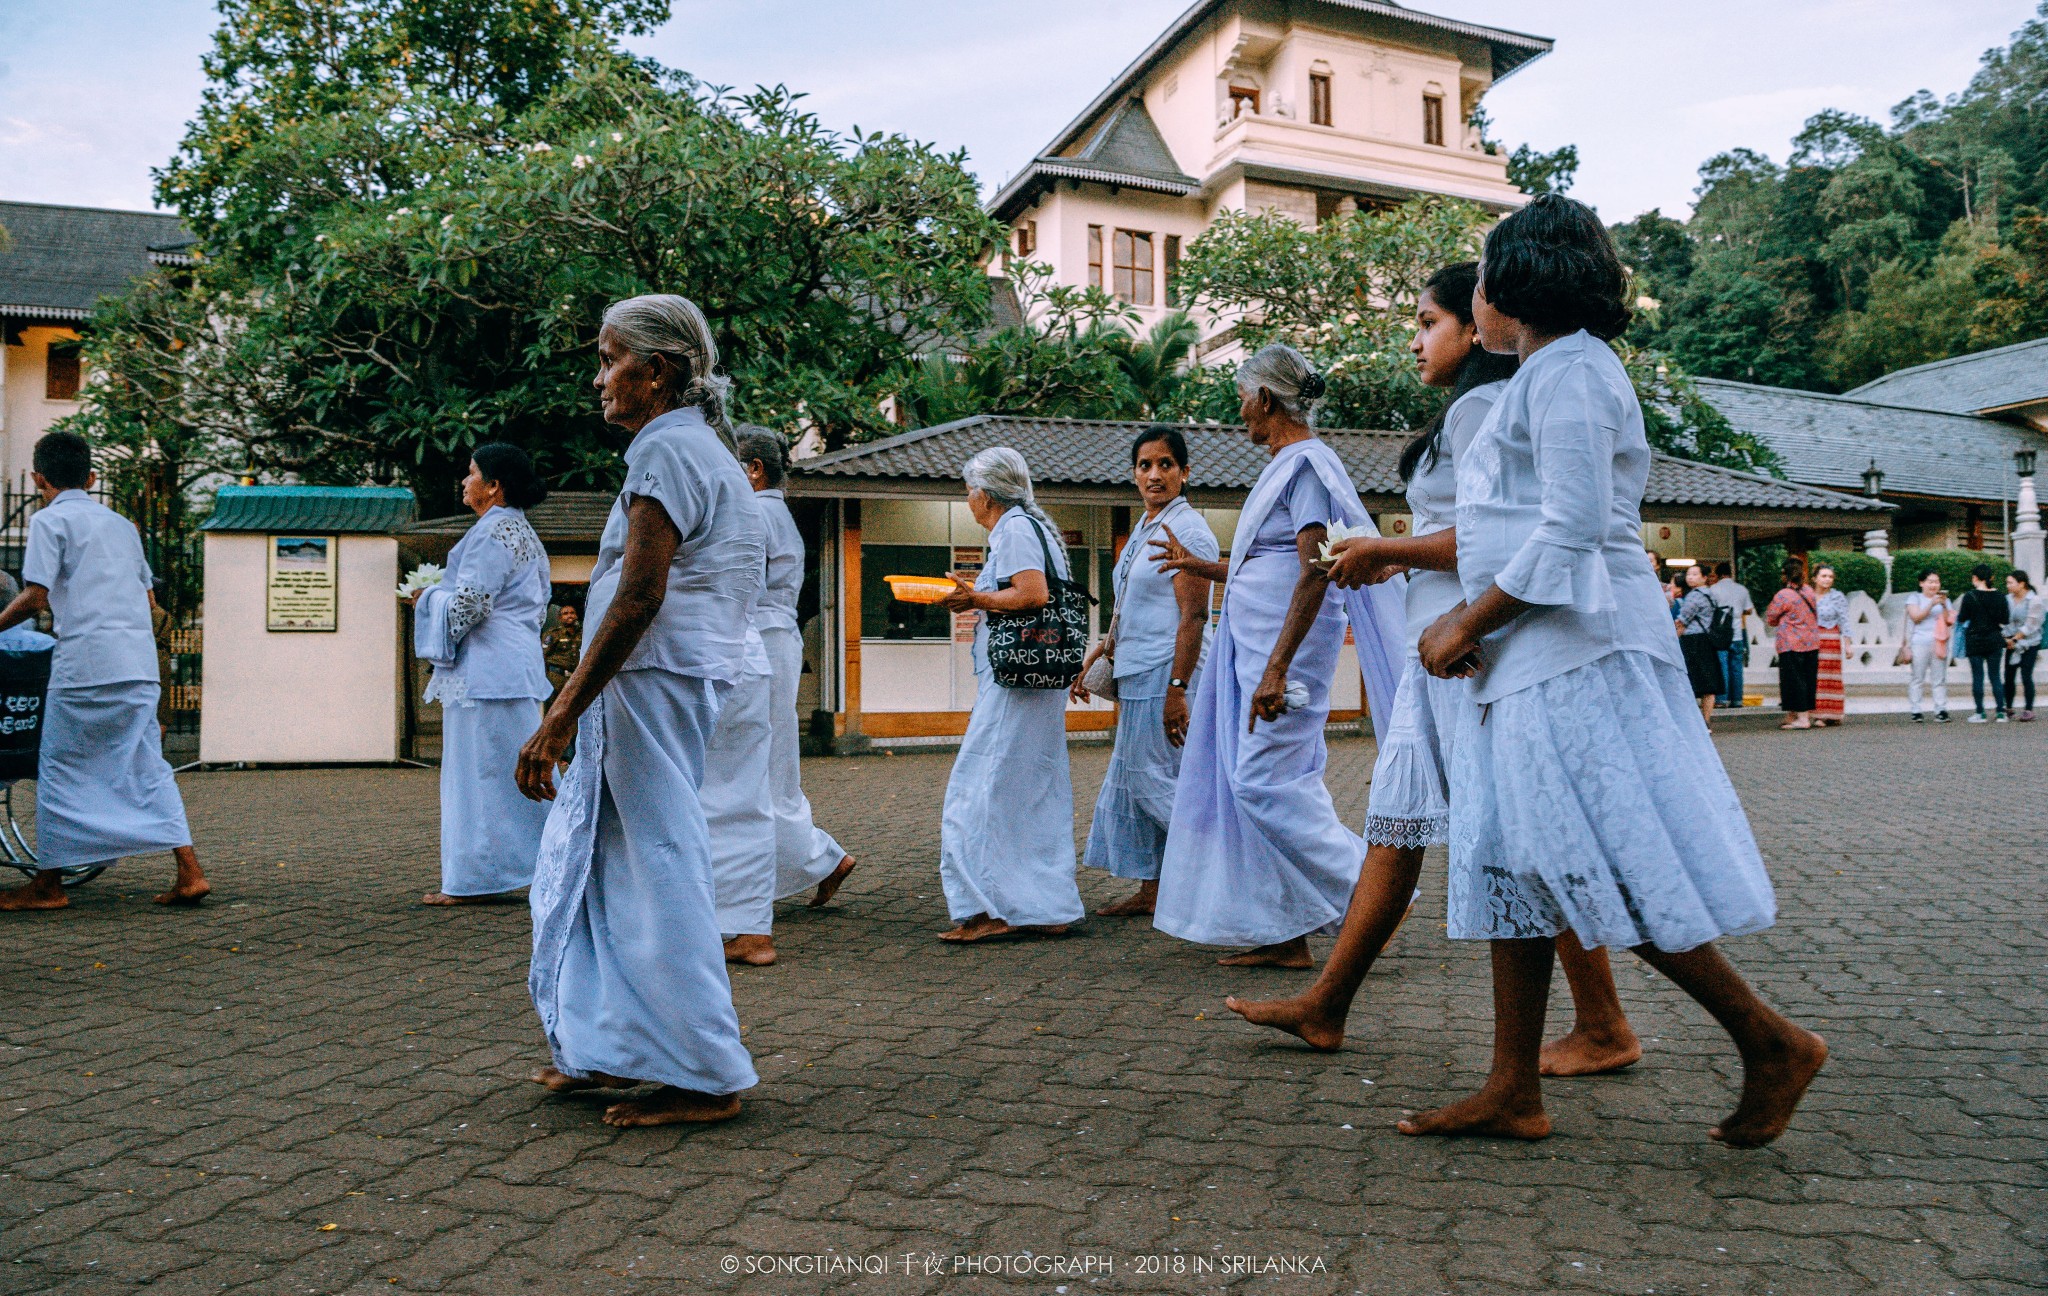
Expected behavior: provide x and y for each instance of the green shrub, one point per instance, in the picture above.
(1758, 568)
(1853, 571)
(1953, 565)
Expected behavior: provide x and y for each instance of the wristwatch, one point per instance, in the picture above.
(1177, 682)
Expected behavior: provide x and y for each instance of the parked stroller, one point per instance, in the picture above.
(24, 686)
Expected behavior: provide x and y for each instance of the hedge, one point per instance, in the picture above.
(1953, 565)
(1853, 571)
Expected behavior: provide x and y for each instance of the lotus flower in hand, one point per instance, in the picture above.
(420, 579)
(1338, 533)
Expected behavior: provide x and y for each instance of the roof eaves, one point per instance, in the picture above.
(9, 310)
(834, 458)
(1973, 357)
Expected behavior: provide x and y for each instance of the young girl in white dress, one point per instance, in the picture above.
(1410, 809)
(1585, 792)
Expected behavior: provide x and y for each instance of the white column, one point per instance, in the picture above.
(2027, 536)
(1877, 544)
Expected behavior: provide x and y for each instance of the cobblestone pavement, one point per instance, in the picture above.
(314, 1085)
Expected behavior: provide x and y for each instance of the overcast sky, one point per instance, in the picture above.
(93, 93)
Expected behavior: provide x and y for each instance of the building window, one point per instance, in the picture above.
(1095, 256)
(1243, 99)
(1027, 238)
(1318, 99)
(1134, 267)
(1433, 119)
(60, 372)
(1172, 268)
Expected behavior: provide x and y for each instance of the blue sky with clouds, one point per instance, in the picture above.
(93, 93)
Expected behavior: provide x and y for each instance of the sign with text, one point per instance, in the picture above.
(300, 593)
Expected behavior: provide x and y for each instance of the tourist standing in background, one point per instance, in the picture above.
(1981, 619)
(1831, 612)
(1695, 620)
(480, 627)
(628, 970)
(1155, 644)
(2023, 636)
(1006, 835)
(1733, 595)
(561, 646)
(103, 788)
(1929, 619)
(1795, 618)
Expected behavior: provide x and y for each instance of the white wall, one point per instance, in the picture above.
(24, 413)
(277, 697)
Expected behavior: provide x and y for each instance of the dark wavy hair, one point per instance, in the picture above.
(1553, 266)
(509, 466)
(1451, 289)
(1168, 433)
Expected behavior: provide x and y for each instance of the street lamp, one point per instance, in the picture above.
(2023, 460)
(1876, 542)
(1873, 477)
(2029, 543)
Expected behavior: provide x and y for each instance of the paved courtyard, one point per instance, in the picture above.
(315, 1085)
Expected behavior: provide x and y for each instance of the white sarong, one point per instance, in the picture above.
(628, 970)
(805, 854)
(103, 788)
(490, 833)
(1006, 837)
(738, 813)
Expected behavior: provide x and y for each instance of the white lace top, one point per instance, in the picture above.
(495, 598)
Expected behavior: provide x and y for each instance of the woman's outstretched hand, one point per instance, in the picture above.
(1170, 553)
(1362, 561)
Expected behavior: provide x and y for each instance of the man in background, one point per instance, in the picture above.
(1732, 594)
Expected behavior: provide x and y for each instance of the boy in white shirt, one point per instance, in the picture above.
(103, 788)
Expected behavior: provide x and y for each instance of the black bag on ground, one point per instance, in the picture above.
(24, 683)
(1042, 648)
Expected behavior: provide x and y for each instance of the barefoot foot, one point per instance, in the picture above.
(1772, 1084)
(754, 951)
(443, 898)
(1300, 1017)
(1584, 1053)
(186, 894)
(555, 1082)
(830, 886)
(1139, 904)
(1483, 1115)
(669, 1105)
(44, 891)
(978, 928)
(1287, 954)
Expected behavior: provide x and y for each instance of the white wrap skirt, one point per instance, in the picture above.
(1410, 804)
(1127, 837)
(738, 811)
(1006, 837)
(805, 854)
(103, 787)
(1595, 801)
(490, 832)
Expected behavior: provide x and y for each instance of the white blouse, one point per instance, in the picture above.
(1433, 503)
(1550, 509)
(1147, 611)
(494, 599)
(717, 573)
(777, 608)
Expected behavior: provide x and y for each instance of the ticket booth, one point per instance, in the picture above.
(304, 648)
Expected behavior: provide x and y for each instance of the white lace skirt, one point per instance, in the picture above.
(1410, 806)
(1596, 801)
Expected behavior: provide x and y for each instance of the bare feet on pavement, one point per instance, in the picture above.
(555, 1082)
(443, 898)
(830, 886)
(981, 927)
(1300, 1016)
(44, 891)
(1483, 1115)
(754, 951)
(1138, 904)
(1772, 1086)
(1287, 954)
(191, 886)
(669, 1105)
(1584, 1053)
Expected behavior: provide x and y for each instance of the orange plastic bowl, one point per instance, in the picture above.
(919, 589)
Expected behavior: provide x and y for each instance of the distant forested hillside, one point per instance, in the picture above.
(1872, 248)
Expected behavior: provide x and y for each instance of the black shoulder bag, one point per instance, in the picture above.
(1044, 647)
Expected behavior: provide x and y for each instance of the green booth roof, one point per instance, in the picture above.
(354, 510)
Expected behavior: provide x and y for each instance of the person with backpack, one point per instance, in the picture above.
(1733, 595)
(1703, 633)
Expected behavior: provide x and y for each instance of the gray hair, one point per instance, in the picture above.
(1286, 373)
(663, 324)
(1001, 474)
(751, 442)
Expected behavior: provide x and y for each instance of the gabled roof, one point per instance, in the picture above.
(564, 517)
(60, 261)
(1982, 383)
(1830, 440)
(1510, 50)
(1070, 456)
(352, 510)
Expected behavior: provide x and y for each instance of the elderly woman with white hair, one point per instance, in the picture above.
(628, 971)
(1006, 838)
(1256, 854)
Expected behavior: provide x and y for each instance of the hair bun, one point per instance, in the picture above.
(1313, 386)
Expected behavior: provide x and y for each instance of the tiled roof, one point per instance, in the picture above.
(1092, 453)
(564, 517)
(1509, 50)
(1989, 380)
(355, 510)
(1830, 440)
(60, 261)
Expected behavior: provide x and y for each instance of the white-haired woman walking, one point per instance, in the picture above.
(1256, 854)
(628, 972)
(1006, 840)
